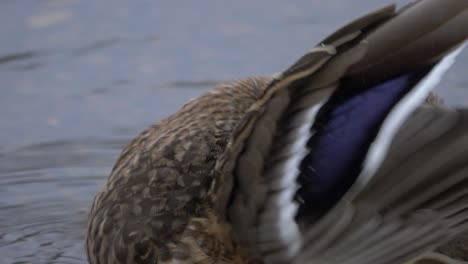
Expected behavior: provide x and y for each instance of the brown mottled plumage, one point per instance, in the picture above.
(155, 205)
(457, 248)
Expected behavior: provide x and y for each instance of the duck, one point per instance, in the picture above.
(344, 157)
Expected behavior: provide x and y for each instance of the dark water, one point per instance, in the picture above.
(80, 78)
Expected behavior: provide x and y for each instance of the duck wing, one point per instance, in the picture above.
(384, 51)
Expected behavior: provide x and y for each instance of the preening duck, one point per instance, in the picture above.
(338, 159)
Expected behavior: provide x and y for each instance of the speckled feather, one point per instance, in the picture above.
(154, 206)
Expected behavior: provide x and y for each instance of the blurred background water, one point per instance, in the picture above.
(79, 79)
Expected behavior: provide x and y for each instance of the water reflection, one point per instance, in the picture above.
(18, 57)
(80, 78)
(20, 61)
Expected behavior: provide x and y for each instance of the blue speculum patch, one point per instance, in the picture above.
(344, 130)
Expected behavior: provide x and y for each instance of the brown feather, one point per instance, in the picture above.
(154, 205)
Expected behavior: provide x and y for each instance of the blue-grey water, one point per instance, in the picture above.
(78, 79)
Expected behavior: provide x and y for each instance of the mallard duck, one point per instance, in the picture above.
(338, 159)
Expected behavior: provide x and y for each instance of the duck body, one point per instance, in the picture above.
(216, 181)
(155, 205)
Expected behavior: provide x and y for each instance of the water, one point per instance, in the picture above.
(79, 79)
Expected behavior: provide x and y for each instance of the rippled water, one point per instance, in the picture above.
(80, 78)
